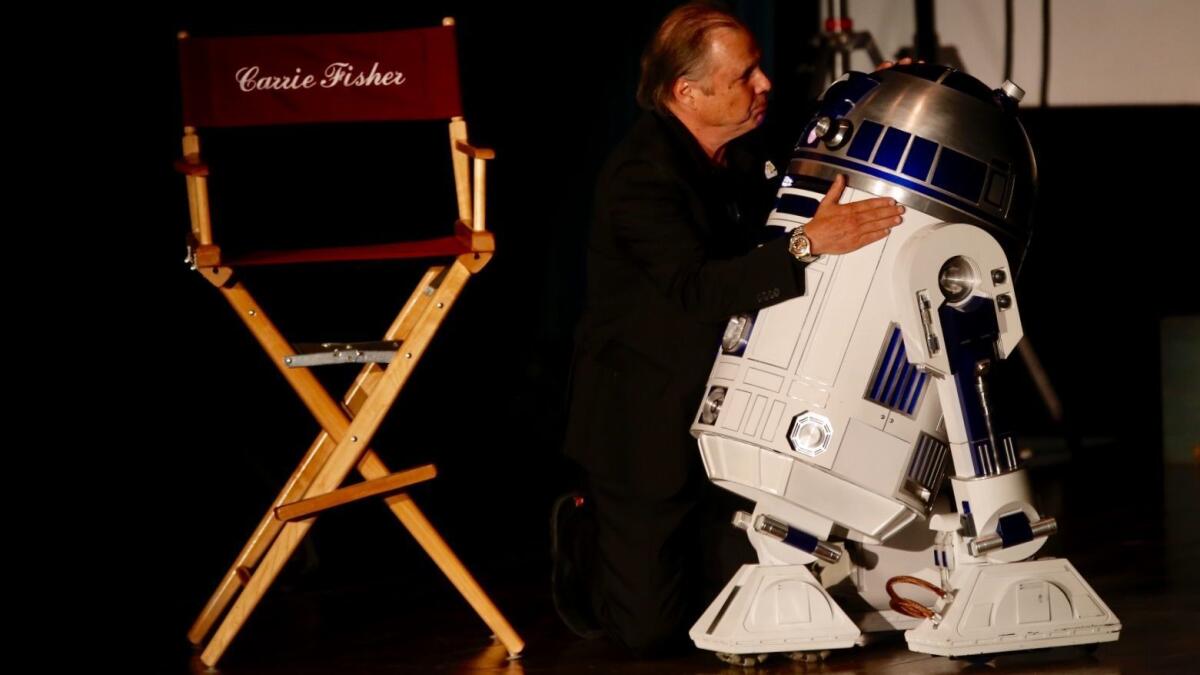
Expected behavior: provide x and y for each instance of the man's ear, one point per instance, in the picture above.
(684, 93)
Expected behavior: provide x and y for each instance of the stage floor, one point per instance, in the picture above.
(1141, 553)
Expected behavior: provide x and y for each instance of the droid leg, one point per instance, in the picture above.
(773, 608)
(996, 598)
(777, 605)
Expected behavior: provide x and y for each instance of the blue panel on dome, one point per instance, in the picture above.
(864, 140)
(892, 148)
(960, 174)
(920, 158)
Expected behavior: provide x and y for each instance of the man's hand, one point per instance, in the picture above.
(842, 228)
(888, 64)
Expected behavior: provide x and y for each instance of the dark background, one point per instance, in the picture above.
(200, 432)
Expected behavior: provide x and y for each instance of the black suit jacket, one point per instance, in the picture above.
(673, 253)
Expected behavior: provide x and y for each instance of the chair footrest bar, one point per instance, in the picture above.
(333, 353)
(371, 488)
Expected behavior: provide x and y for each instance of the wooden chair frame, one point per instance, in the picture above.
(348, 426)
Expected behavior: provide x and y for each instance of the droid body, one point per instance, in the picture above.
(842, 413)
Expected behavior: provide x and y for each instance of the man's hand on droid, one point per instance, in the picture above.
(842, 228)
(888, 64)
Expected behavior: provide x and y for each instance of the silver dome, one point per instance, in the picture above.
(931, 137)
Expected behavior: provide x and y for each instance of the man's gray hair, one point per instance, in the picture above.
(680, 48)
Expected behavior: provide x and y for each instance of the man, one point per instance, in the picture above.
(673, 252)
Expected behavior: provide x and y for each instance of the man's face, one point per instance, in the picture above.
(732, 97)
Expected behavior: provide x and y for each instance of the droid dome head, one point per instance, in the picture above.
(931, 137)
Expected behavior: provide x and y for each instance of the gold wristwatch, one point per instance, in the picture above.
(800, 247)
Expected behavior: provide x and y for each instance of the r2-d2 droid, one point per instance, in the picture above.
(841, 412)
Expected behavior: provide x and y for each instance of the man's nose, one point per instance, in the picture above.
(763, 83)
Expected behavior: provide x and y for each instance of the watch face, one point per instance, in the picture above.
(799, 245)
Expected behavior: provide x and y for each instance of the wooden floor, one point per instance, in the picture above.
(1141, 553)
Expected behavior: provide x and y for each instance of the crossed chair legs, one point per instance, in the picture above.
(342, 446)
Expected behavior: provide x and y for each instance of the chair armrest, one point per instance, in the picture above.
(474, 152)
(191, 167)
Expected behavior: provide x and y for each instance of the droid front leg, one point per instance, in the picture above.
(960, 318)
(777, 605)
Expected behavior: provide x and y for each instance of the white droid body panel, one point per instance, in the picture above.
(830, 410)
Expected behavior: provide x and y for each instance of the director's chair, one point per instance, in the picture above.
(387, 76)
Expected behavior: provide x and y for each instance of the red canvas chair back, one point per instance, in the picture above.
(400, 75)
(290, 79)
